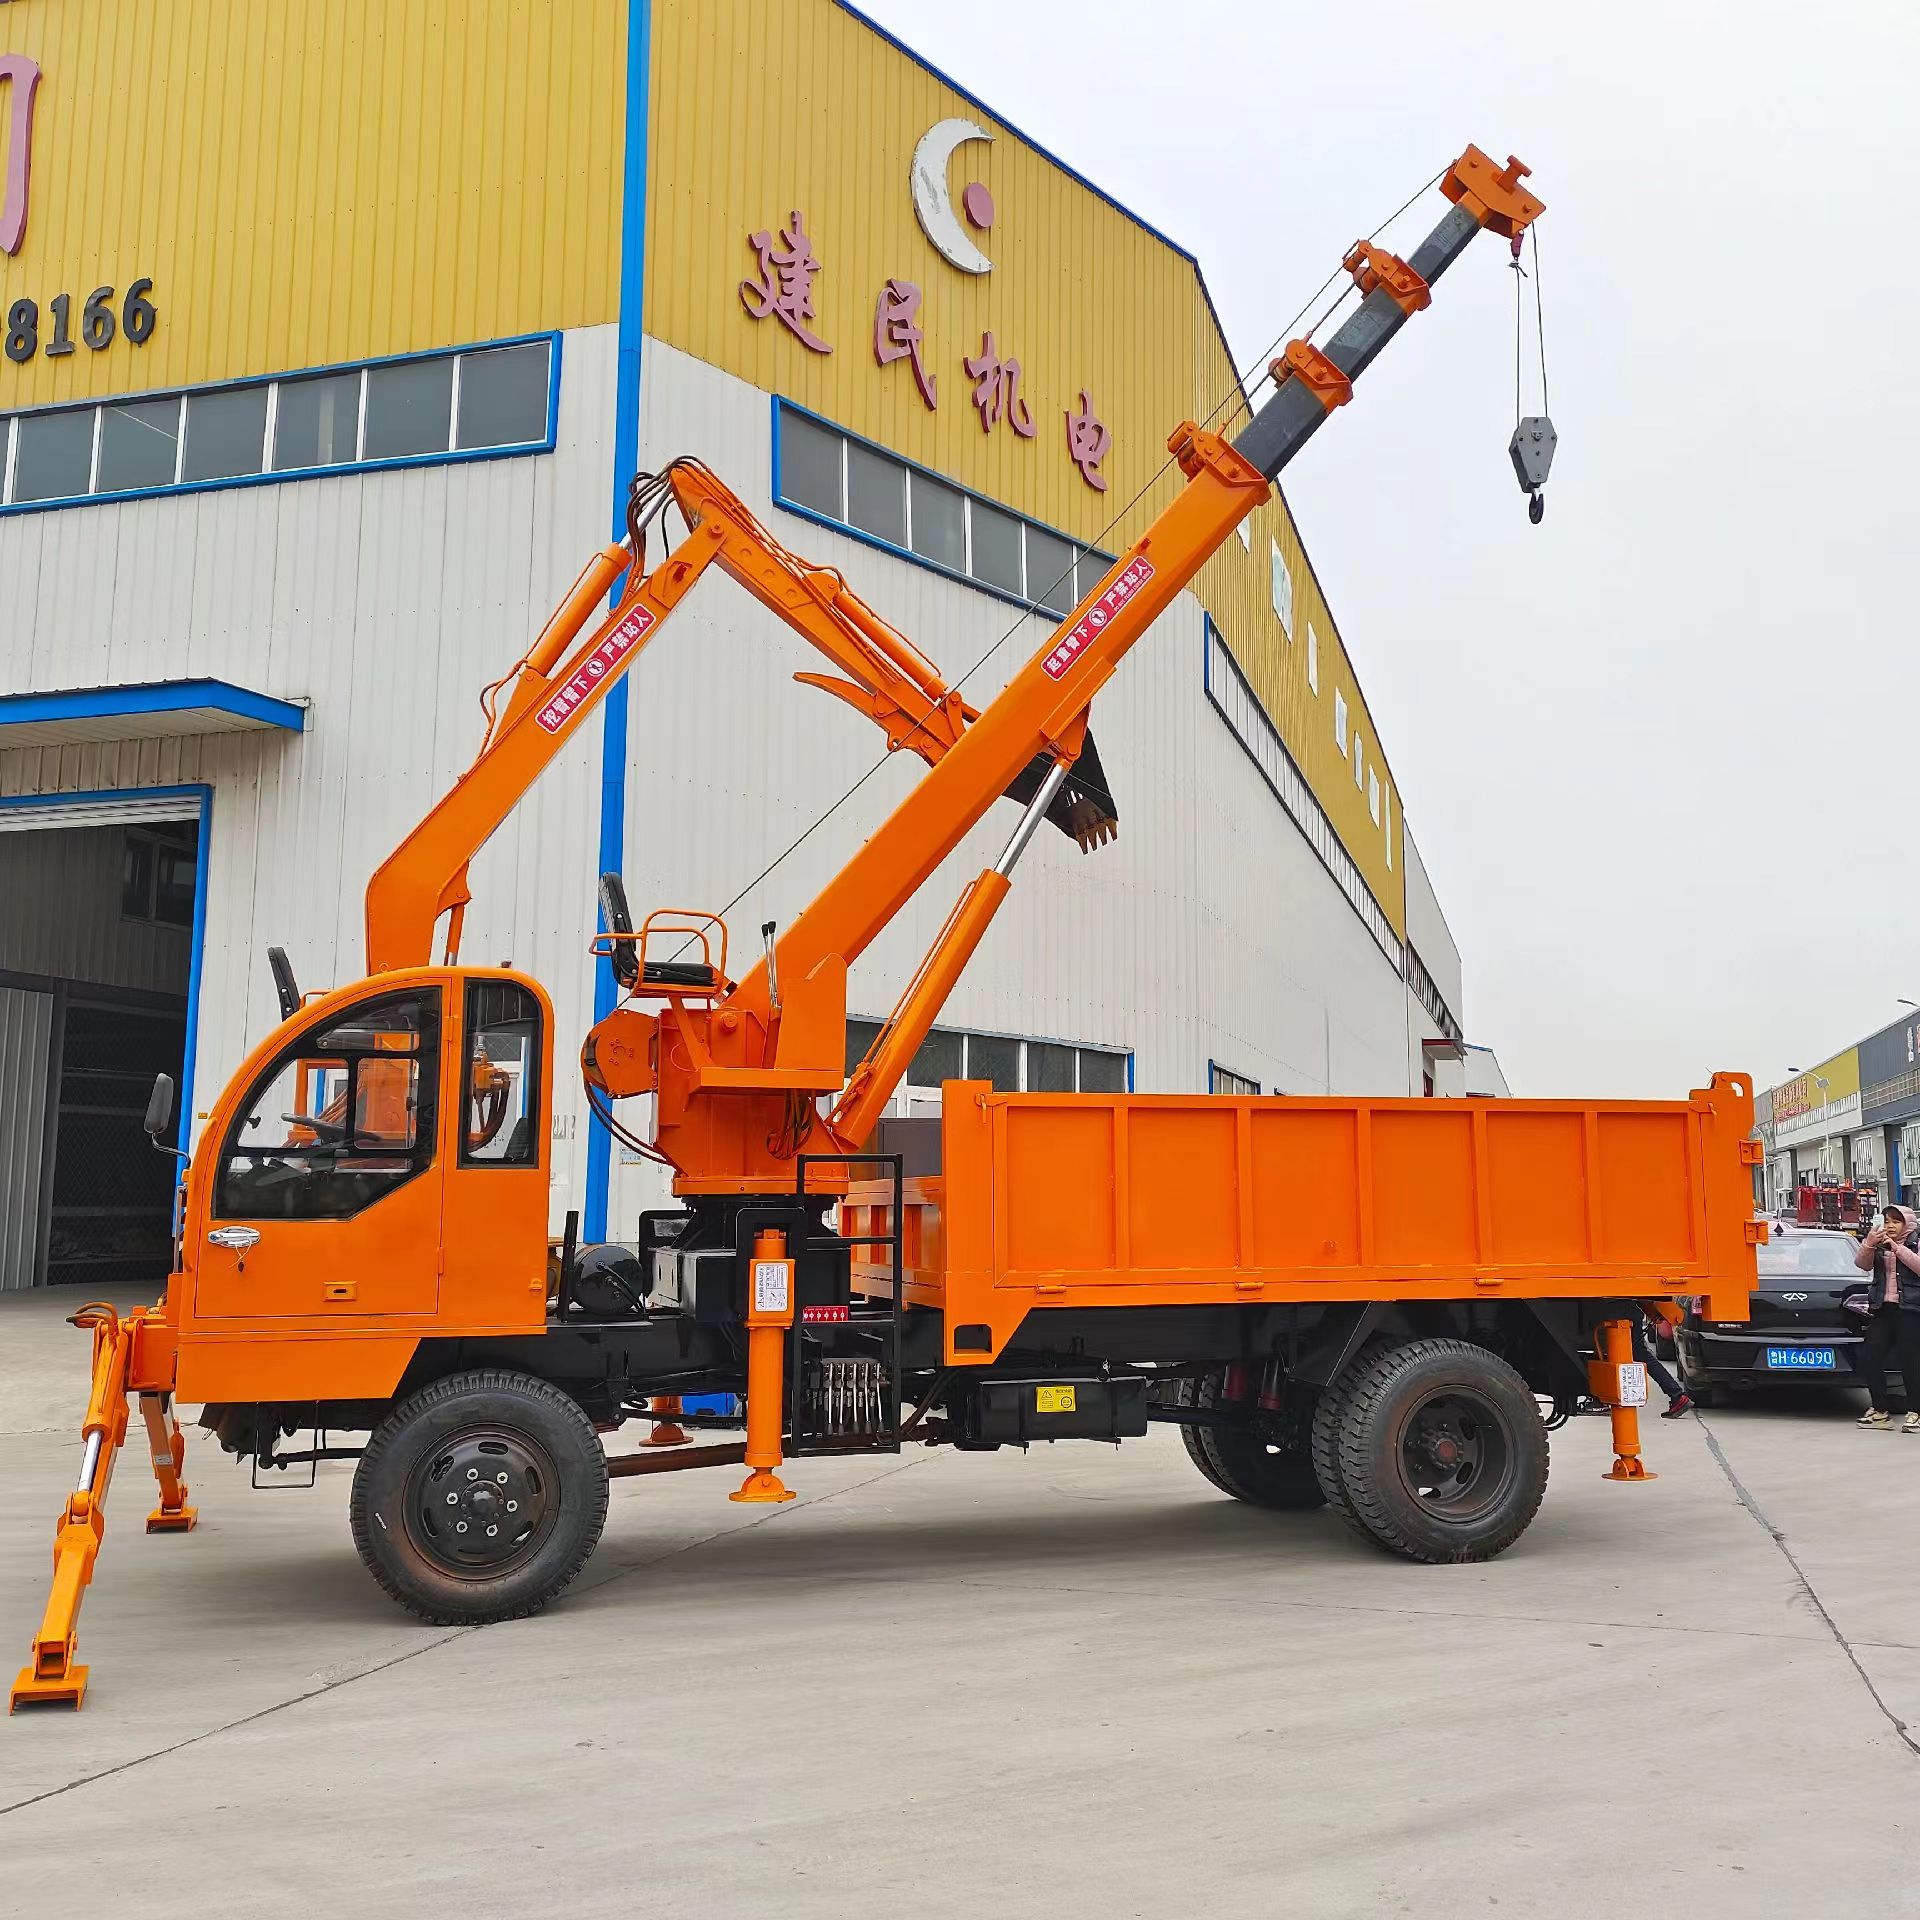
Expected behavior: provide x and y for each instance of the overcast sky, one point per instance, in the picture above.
(1657, 750)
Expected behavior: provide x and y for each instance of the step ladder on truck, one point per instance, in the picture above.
(1350, 1302)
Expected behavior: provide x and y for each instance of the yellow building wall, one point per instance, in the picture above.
(762, 107)
(309, 182)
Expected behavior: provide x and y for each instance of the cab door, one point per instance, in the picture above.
(327, 1197)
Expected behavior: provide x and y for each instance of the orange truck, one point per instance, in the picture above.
(1359, 1303)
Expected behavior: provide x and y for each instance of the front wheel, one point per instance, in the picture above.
(1443, 1454)
(480, 1497)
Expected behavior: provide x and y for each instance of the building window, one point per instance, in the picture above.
(1012, 1064)
(827, 474)
(1359, 760)
(1386, 811)
(1373, 795)
(472, 403)
(1313, 659)
(1219, 1080)
(1282, 591)
(1234, 700)
(157, 877)
(1245, 531)
(1428, 994)
(1340, 720)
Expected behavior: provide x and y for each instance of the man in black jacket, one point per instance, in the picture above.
(1891, 1253)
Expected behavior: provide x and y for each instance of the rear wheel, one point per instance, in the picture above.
(1245, 1464)
(1442, 1451)
(1326, 1431)
(480, 1497)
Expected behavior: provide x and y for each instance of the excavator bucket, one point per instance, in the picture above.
(1084, 809)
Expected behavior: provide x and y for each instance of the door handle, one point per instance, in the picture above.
(238, 1238)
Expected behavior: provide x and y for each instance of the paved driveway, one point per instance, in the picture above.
(1075, 1681)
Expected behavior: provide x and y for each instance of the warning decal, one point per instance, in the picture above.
(565, 701)
(1073, 643)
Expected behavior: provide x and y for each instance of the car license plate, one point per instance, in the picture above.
(1802, 1359)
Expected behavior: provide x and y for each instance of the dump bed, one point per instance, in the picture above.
(1081, 1200)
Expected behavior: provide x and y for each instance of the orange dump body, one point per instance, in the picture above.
(1084, 1200)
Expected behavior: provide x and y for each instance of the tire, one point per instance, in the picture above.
(1701, 1392)
(1469, 1502)
(477, 1450)
(1194, 1439)
(1247, 1467)
(1326, 1432)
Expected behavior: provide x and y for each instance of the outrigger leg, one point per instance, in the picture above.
(52, 1678)
(1607, 1379)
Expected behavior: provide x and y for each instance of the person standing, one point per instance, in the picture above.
(1891, 1253)
(1679, 1400)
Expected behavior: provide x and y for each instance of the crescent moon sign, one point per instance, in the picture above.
(934, 203)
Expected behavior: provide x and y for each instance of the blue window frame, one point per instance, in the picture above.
(1224, 1080)
(828, 475)
(490, 401)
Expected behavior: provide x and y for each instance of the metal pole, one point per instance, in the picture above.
(1030, 820)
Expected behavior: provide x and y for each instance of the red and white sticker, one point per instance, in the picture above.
(567, 700)
(1072, 644)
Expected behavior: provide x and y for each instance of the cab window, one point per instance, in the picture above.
(501, 1077)
(343, 1117)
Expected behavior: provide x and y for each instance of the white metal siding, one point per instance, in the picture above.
(26, 1030)
(390, 599)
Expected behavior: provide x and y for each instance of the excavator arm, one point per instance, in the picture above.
(562, 676)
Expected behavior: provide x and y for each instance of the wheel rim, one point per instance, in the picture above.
(1457, 1454)
(483, 1502)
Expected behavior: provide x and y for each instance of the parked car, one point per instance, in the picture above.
(1808, 1317)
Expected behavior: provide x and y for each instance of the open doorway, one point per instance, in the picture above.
(96, 970)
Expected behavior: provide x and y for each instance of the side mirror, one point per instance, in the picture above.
(159, 1110)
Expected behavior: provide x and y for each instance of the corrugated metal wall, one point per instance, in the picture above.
(316, 181)
(761, 107)
(390, 601)
(62, 915)
(26, 1030)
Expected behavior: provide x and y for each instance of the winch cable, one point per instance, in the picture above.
(1534, 485)
(1259, 373)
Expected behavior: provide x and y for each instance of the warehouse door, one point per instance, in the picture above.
(96, 961)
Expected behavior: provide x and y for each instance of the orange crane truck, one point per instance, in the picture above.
(1351, 1302)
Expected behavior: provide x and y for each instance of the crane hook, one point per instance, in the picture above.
(1531, 450)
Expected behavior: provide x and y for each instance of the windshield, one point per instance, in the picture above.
(1828, 1254)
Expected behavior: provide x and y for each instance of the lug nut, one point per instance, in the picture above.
(459, 1526)
(473, 1473)
(500, 1478)
(453, 1499)
(491, 1531)
(513, 1506)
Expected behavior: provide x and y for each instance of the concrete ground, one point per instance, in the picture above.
(1076, 1681)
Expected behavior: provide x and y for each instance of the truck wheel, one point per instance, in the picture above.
(1194, 1439)
(1442, 1451)
(1247, 1466)
(480, 1497)
(1326, 1431)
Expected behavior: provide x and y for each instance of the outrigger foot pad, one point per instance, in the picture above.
(762, 1487)
(176, 1520)
(67, 1689)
